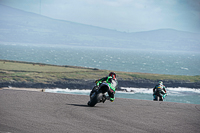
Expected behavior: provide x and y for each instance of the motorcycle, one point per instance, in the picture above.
(159, 95)
(98, 94)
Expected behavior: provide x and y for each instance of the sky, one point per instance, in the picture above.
(120, 15)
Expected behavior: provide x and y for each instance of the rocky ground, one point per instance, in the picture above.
(88, 84)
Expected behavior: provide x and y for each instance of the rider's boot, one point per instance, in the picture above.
(154, 97)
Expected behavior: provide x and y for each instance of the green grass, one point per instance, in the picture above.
(43, 73)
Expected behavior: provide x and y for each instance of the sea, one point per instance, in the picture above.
(178, 95)
(156, 61)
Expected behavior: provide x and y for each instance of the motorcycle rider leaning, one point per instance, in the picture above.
(159, 88)
(112, 81)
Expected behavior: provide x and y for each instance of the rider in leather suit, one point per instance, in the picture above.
(159, 88)
(111, 79)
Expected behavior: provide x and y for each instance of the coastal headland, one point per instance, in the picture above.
(37, 75)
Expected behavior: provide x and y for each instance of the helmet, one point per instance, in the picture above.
(113, 75)
(160, 82)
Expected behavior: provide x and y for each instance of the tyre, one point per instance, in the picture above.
(95, 98)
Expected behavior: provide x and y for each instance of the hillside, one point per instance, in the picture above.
(20, 27)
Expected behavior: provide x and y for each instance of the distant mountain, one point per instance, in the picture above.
(17, 26)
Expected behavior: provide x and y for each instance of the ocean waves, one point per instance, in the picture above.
(181, 95)
(127, 60)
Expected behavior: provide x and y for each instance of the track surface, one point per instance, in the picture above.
(41, 112)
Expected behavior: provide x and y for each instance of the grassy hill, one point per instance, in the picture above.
(15, 72)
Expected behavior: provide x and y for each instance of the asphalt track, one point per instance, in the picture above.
(42, 112)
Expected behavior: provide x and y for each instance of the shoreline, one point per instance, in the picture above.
(23, 89)
(82, 84)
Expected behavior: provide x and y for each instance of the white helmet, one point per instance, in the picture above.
(160, 82)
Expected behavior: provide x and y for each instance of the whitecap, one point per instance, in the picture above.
(137, 90)
(183, 89)
(69, 91)
(171, 90)
(184, 68)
